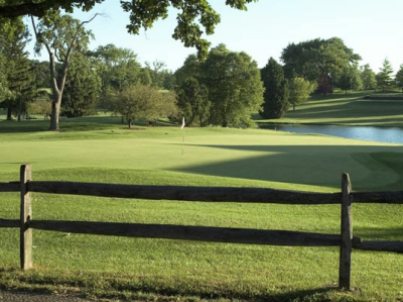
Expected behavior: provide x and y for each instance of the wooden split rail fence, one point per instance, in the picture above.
(345, 240)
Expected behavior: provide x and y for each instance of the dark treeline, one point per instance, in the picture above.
(222, 88)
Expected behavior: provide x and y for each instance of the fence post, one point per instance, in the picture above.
(25, 216)
(346, 233)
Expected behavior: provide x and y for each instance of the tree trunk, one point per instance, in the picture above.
(9, 114)
(129, 123)
(55, 114)
(19, 113)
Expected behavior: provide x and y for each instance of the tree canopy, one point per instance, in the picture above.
(142, 102)
(234, 85)
(232, 80)
(318, 60)
(196, 18)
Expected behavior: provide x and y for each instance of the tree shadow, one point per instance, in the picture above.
(67, 124)
(314, 165)
(125, 290)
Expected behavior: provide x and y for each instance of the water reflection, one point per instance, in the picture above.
(379, 134)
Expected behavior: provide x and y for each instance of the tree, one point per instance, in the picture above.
(41, 103)
(118, 68)
(234, 85)
(17, 70)
(318, 60)
(368, 78)
(195, 17)
(191, 69)
(160, 76)
(193, 102)
(299, 90)
(350, 79)
(4, 91)
(384, 77)
(399, 77)
(41, 73)
(22, 85)
(141, 102)
(61, 36)
(276, 90)
(232, 79)
(83, 87)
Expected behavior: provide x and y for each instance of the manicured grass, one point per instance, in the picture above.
(346, 109)
(147, 269)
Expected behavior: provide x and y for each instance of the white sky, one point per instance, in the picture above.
(373, 28)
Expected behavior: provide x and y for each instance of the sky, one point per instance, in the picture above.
(372, 28)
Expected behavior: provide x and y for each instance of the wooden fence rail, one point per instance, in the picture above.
(10, 187)
(345, 240)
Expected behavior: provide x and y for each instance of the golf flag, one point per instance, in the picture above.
(183, 123)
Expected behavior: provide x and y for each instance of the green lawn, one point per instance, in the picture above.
(346, 109)
(97, 150)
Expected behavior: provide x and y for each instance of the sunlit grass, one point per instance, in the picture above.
(149, 269)
(346, 109)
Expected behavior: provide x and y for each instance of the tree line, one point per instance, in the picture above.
(221, 87)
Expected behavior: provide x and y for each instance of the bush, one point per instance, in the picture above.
(142, 102)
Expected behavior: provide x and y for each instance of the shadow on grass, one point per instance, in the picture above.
(82, 124)
(86, 123)
(23, 126)
(100, 287)
(314, 165)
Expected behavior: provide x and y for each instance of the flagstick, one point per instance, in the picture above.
(183, 135)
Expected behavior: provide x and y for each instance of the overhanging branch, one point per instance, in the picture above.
(38, 9)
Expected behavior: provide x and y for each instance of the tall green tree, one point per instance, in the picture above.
(399, 77)
(17, 71)
(234, 85)
(22, 84)
(83, 87)
(276, 90)
(299, 90)
(196, 18)
(318, 60)
(193, 102)
(368, 78)
(61, 35)
(384, 77)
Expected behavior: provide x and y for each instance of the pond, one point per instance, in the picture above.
(378, 134)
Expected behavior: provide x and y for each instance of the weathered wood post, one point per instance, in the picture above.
(25, 216)
(346, 233)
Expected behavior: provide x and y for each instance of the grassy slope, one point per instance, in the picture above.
(140, 267)
(346, 109)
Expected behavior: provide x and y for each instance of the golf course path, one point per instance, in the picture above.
(31, 297)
